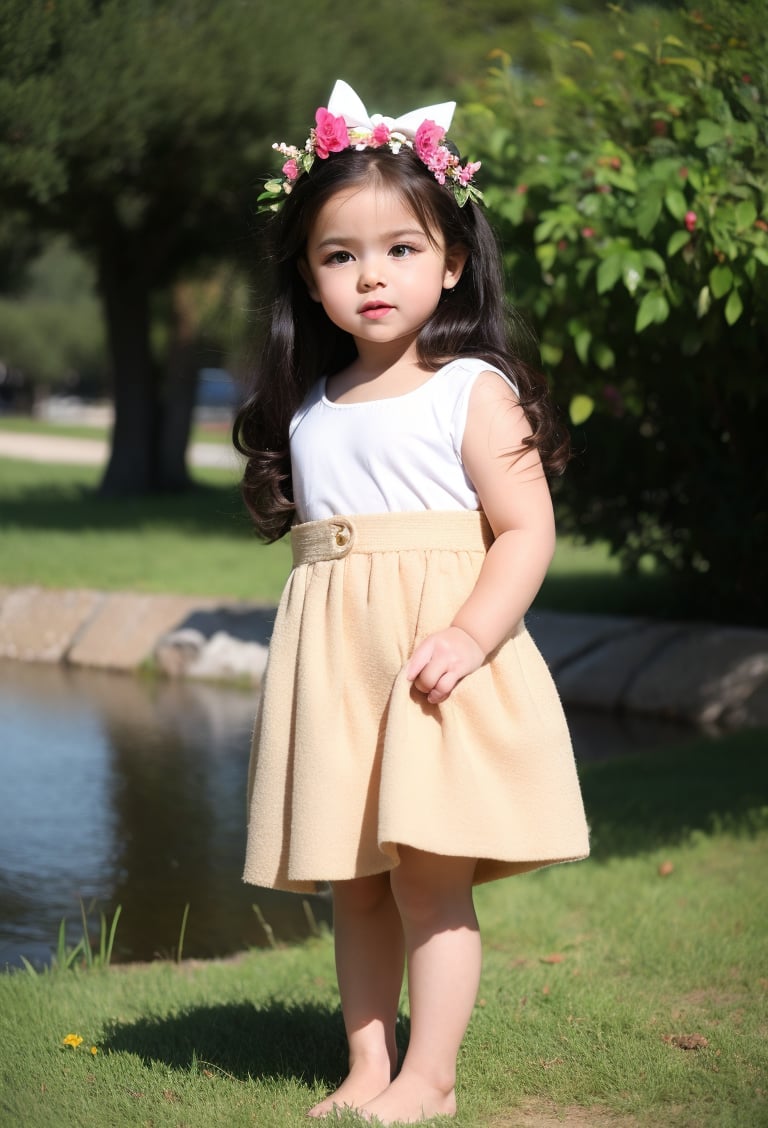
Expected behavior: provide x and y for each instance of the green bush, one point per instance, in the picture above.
(53, 342)
(630, 188)
(51, 325)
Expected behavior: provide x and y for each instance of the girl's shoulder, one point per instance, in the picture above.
(454, 384)
(462, 374)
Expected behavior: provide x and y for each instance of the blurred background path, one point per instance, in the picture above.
(94, 452)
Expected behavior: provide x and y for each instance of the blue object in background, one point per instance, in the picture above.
(218, 388)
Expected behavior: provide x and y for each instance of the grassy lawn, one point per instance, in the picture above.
(593, 974)
(25, 424)
(57, 532)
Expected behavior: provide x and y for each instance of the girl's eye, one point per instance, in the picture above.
(339, 257)
(401, 250)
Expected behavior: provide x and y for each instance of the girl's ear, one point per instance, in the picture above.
(306, 274)
(455, 261)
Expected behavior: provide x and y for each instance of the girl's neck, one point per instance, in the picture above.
(378, 373)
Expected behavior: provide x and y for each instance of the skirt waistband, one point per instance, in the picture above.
(464, 530)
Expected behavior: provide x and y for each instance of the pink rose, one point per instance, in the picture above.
(330, 134)
(439, 163)
(440, 159)
(427, 140)
(690, 220)
(469, 170)
(588, 232)
(381, 134)
(291, 169)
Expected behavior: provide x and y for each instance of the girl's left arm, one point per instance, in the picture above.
(514, 495)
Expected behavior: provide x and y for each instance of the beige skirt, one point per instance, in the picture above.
(349, 761)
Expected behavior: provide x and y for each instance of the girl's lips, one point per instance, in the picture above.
(375, 310)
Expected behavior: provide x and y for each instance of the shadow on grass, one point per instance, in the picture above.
(612, 593)
(278, 1040)
(73, 506)
(659, 799)
(301, 1040)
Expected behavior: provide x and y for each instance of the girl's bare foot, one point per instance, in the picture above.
(410, 1100)
(365, 1080)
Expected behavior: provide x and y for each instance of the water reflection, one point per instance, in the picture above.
(127, 792)
(123, 791)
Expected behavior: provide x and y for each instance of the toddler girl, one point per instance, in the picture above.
(409, 741)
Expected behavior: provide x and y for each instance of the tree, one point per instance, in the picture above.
(631, 190)
(142, 127)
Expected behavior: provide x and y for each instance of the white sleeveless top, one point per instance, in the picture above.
(389, 455)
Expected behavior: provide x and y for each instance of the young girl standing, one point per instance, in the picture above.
(410, 742)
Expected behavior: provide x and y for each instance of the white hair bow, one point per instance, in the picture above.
(344, 102)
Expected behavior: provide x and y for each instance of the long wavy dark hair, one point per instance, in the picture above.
(302, 343)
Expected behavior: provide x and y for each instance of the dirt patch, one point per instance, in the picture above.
(705, 997)
(686, 1041)
(546, 1114)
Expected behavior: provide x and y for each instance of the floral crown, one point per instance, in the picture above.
(346, 124)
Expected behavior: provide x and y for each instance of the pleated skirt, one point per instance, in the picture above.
(349, 761)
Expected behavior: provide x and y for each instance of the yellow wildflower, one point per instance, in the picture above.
(94, 1050)
(73, 1040)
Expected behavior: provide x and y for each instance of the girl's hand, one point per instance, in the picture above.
(439, 663)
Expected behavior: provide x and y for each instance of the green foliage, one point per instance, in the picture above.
(513, 25)
(18, 244)
(50, 321)
(142, 129)
(631, 192)
(51, 340)
(162, 112)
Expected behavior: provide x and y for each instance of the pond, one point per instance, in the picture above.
(120, 790)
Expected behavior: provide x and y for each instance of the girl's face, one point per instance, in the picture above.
(373, 268)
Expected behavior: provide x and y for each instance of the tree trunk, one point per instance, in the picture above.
(153, 418)
(133, 466)
(179, 390)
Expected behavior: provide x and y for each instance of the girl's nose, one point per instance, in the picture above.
(371, 276)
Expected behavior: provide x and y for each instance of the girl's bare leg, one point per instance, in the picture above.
(370, 959)
(434, 897)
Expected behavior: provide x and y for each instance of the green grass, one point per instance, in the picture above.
(57, 532)
(589, 971)
(26, 425)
